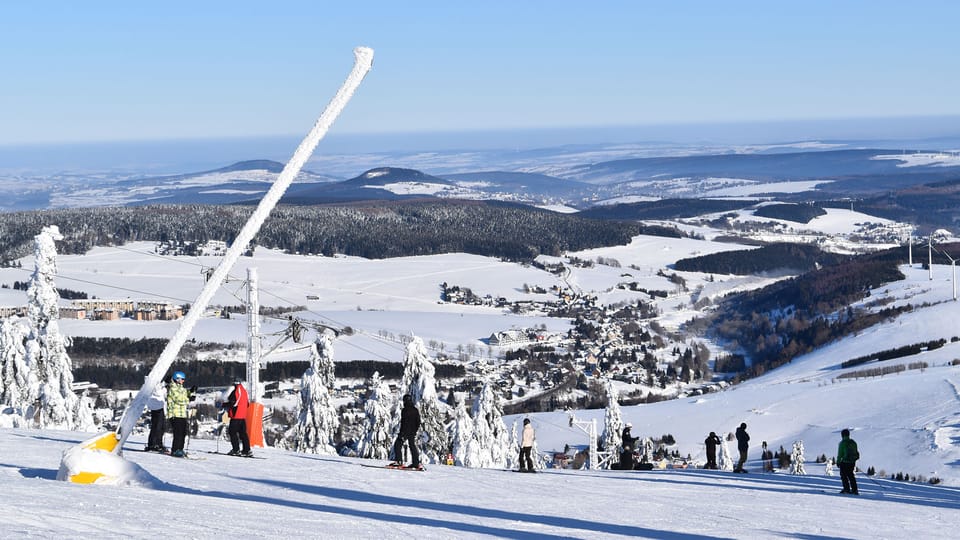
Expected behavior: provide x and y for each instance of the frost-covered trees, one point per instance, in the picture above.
(419, 381)
(725, 460)
(376, 442)
(612, 420)
(317, 421)
(461, 437)
(490, 433)
(51, 376)
(14, 372)
(796, 463)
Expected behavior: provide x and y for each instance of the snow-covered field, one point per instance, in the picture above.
(908, 422)
(290, 495)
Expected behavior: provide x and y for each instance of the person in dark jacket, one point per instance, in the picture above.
(628, 443)
(236, 406)
(743, 444)
(711, 441)
(847, 456)
(409, 426)
(157, 403)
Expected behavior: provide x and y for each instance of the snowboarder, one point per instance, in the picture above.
(157, 403)
(409, 426)
(847, 456)
(743, 444)
(178, 398)
(236, 406)
(711, 441)
(627, 442)
(526, 446)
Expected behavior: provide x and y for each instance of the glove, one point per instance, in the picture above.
(193, 389)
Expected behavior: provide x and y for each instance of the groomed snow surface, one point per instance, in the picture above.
(290, 495)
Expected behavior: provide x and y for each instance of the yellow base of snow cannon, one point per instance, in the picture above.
(91, 461)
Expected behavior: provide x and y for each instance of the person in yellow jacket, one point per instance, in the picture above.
(178, 397)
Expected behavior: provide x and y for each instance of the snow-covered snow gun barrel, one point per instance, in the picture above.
(72, 466)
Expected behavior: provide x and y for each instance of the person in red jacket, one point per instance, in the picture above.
(236, 406)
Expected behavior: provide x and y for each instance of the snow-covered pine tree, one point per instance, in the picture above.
(513, 446)
(14, 372)
(322, 354)
(537, 457)
(725, 459)
(612, 421)
(489, 430)
(828, 467)
(461, 437)
(375, 443)
(419, 381)
(318, 420)
(796, 465)
(51, 371)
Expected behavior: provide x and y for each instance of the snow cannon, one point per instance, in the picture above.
(99, 460)
(94, 461)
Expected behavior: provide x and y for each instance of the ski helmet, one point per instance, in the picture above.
(179, 376)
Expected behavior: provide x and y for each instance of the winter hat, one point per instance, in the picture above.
(526, 421)
(845, 432)
(743, 425)
(407, 399)
(628, 425)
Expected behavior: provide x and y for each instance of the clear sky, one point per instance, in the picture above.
(125, 70)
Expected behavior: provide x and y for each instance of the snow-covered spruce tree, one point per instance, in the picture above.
(322, 354)
(375, 442)
(489, 430)
(14, 372)
(725, 460)
(461, 437)
(419, 381)
(612, 420)
(796, 465)
(513, 446)
(318, 420)
(51, 371)
(828, 467)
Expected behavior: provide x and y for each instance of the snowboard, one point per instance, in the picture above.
(228, 455)
(404, 467)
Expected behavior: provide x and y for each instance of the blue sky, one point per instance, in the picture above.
(104, 71)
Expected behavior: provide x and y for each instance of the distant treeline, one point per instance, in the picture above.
(664, 209)
(769, 258)
(898, 352)
(371, 229)
(128, 375)
(799, 213)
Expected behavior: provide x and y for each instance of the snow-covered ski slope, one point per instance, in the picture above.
(290, 495)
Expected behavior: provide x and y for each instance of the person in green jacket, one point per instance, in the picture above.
(847, 456)
(178, 398)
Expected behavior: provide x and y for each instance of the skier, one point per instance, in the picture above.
(627, 443)
(156, 404)
(711, 441)
(526, 446)
(178, 398)
(847, 456)
(767, 456)
(236, 406)
(409, 425)
(743, 444)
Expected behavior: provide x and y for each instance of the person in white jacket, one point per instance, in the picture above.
(526, 446)
(157, 404)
